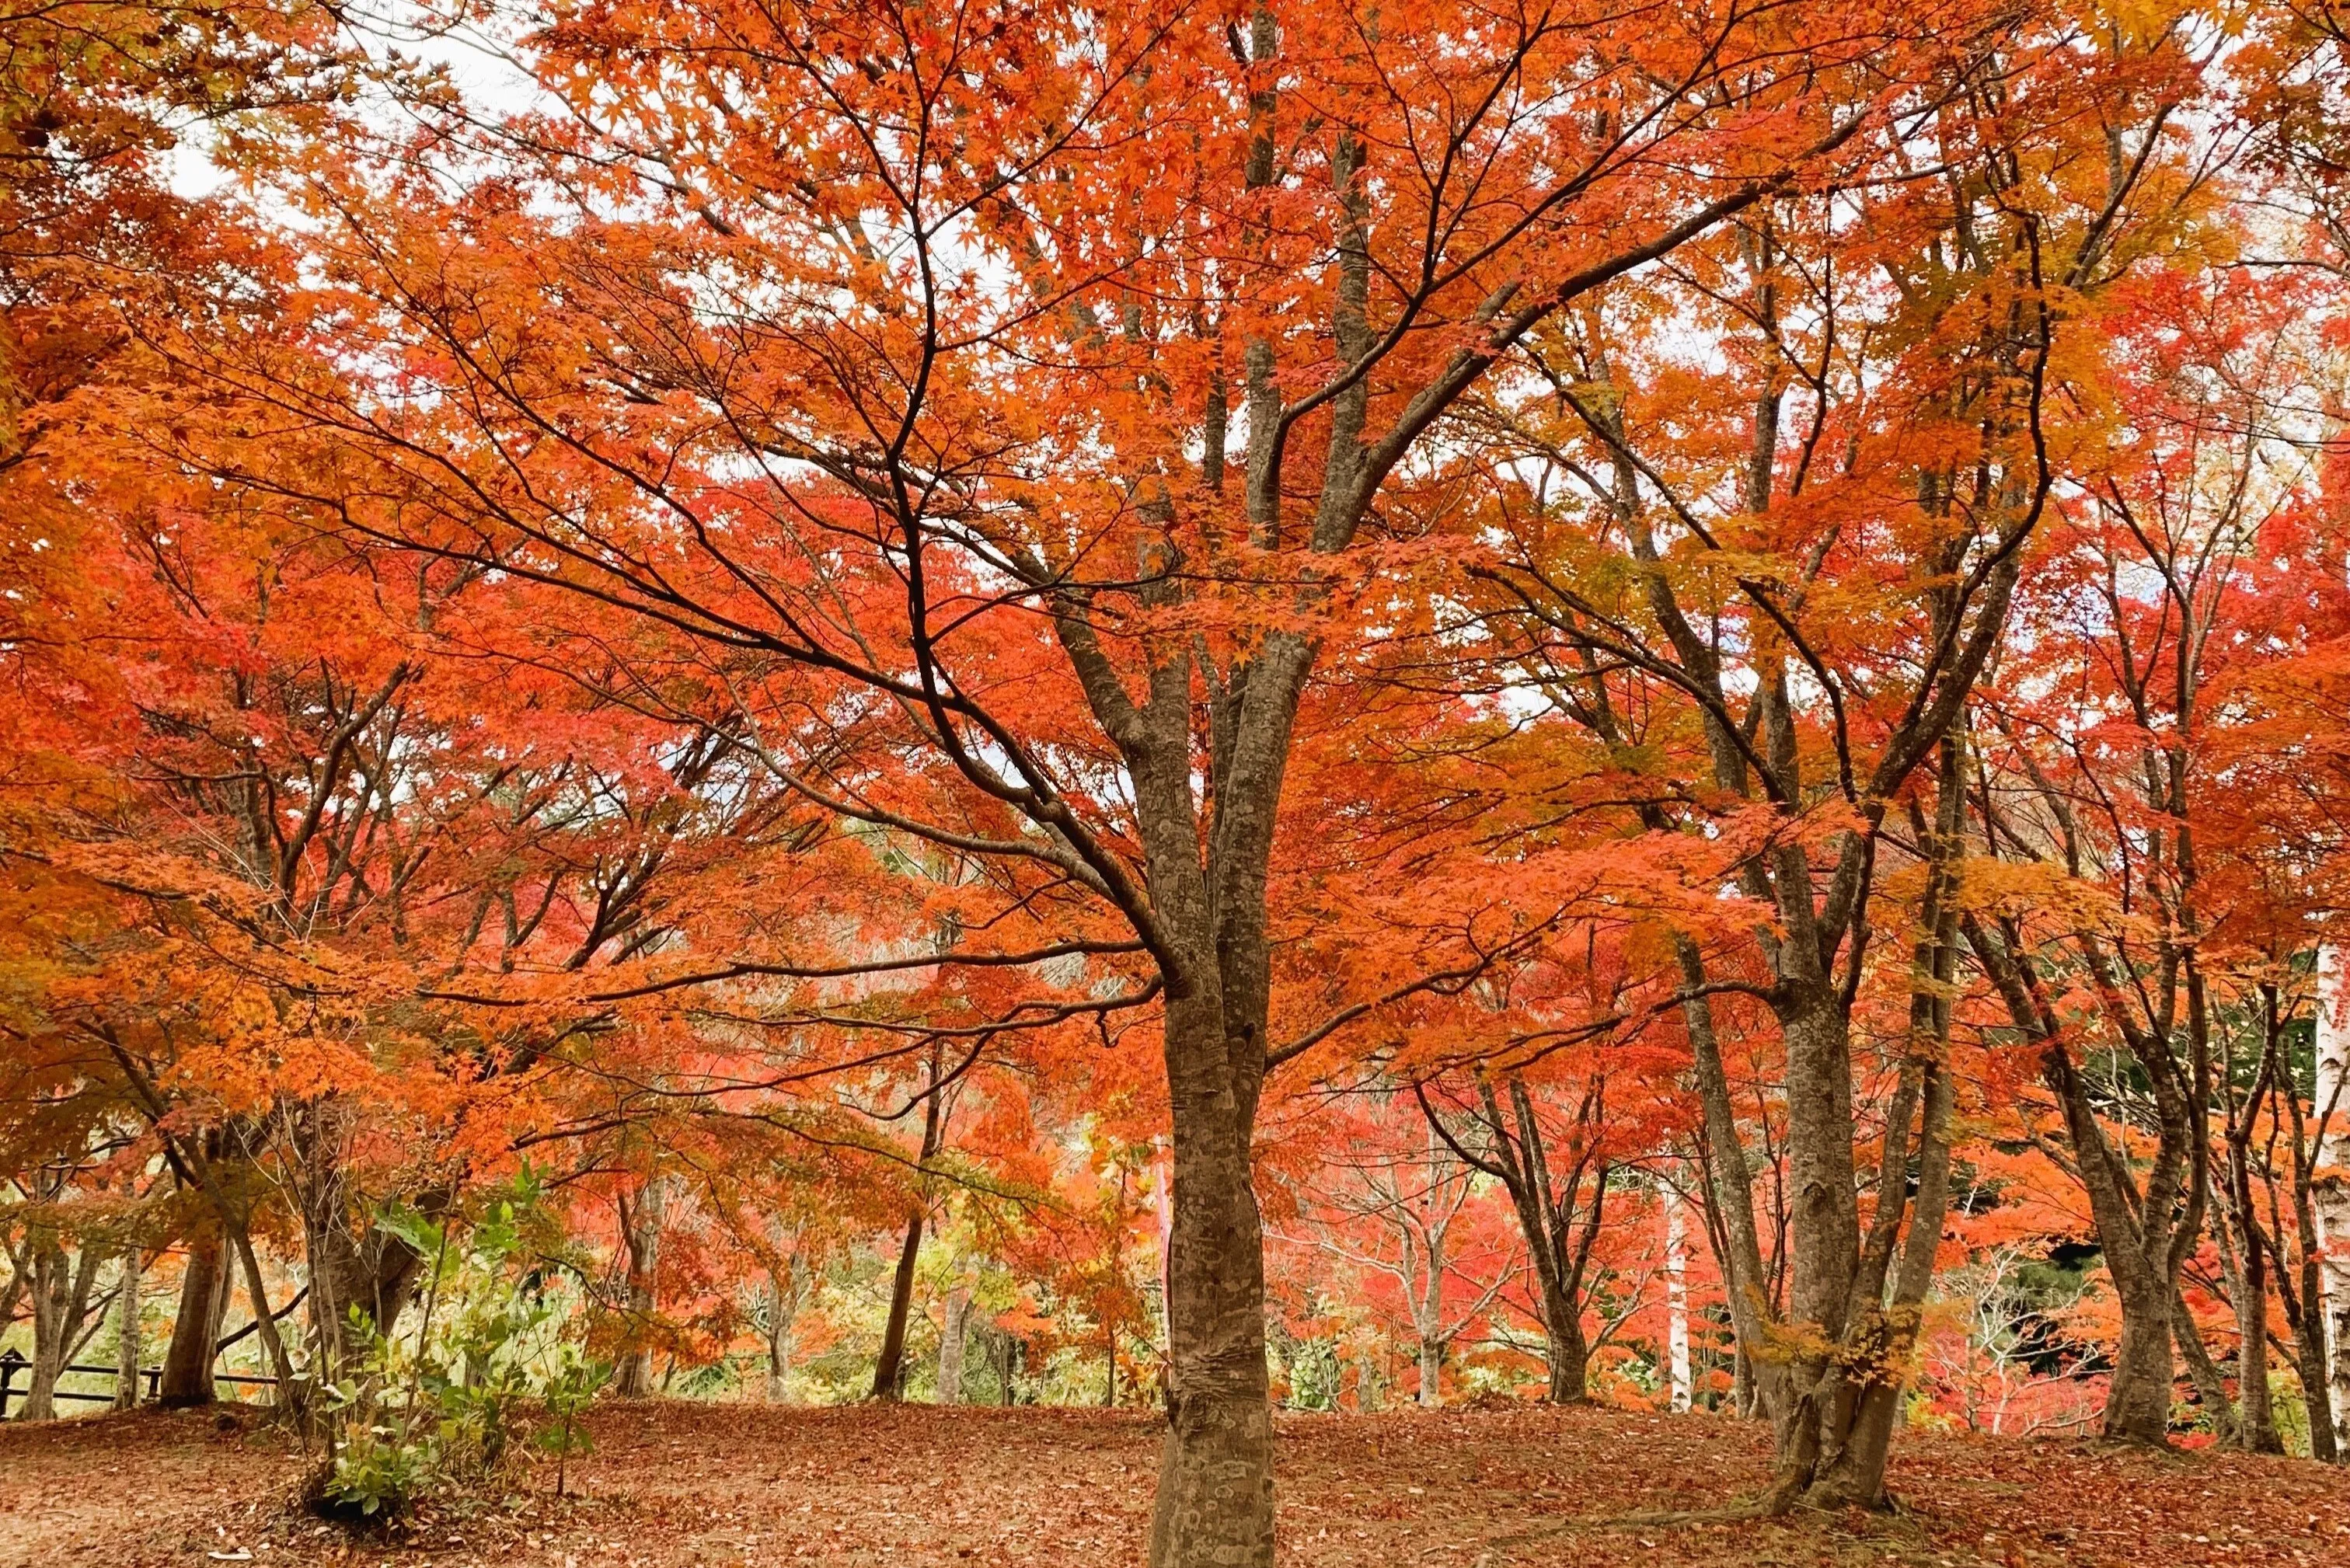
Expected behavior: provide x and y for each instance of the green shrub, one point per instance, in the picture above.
(494, 1341)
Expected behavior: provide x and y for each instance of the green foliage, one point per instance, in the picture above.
(1313, 1372)
(494, 1339)
(378, 1469)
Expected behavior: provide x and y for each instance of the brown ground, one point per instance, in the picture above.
(677, 1484)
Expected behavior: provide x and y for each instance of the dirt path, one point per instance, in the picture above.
(677, 1484)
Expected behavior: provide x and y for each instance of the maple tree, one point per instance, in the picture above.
(955, 525)
(937, 671)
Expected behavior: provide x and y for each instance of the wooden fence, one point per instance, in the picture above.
(12, 1363)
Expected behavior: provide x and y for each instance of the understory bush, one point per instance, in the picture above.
(494, 1356)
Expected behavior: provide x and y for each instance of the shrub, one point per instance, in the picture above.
(494, 1340)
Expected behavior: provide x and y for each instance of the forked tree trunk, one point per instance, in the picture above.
(634, 1379)
(1857, 1299)
(353, 1262)
(2139, 1236)
(1862, 1396)
(204, 1301)
(1559, 1225)
(61, 1288)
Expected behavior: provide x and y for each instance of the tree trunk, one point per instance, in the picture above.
(1823, 1240)
(2256, 1432)
(1432, 1373)
(1858, 1438)
(353, 1262)
(2138, 1400)
(1730, 1196)
(1676, 1324)
(126, 1330)
(1548, 1214)
(1568, 1353)
(783, 1309)
(61, 1293)
(1214, 1504)
(2309, 1345)
(890, 1366)
(1856, 1403)
(289, 1395)
(2141, 1258)
(52, 1283)
(950, 1345)
(2211, 1383)
(2330, 1188)
(204, 1301)
(643, 1231)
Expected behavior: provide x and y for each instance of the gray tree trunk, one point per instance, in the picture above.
(782, 1311)
(203, 1301)
(2210, 1382)
(950, 1343)
(1432, 1373)
(126, 1330)
(352, 1261)
(634, 1379)
(61, 1293)
(51, 1281)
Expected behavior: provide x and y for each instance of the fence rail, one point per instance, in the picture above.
(13, 1363)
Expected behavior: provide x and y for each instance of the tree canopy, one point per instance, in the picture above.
(1212, 706)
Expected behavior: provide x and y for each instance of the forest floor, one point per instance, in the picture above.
(672, 1484)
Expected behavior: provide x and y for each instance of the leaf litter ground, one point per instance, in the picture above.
(672, 1484)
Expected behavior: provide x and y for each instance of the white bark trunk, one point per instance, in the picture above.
(2332, 1197)
(1428, 1309)
(951, 1343)
(1676, 1327)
